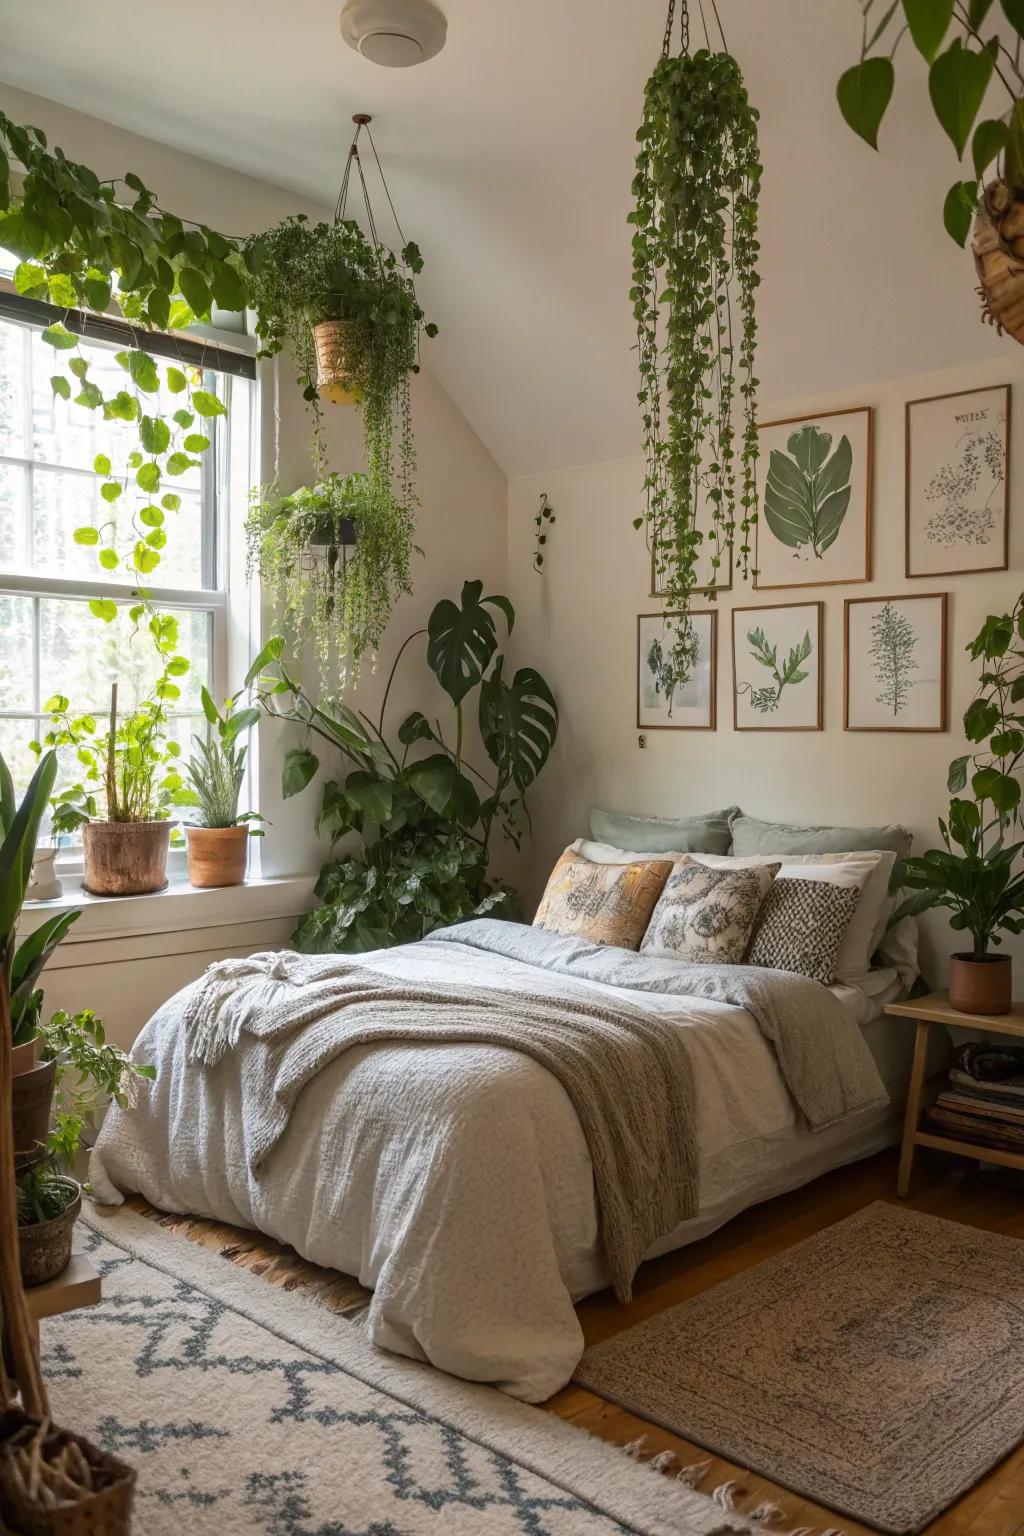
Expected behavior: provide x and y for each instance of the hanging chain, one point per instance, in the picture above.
(684, 29)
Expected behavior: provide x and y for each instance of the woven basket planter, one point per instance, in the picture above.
(104, 1509)
(44, 1249)
(332, 377)
(998, 246)
(125, 858)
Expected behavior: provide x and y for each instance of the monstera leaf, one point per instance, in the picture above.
(518, 723)
(461, 641)
(807, 493)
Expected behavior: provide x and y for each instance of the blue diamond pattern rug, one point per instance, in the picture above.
(246, 1409)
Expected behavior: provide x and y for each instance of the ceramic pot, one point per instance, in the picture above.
(125, 858)
(332, 379)
(981, 986)
(44, 1249)
(24, 1057)
(31, 1105)
(43, 884)
(217, 855)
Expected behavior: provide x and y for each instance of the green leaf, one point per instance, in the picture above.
(518, 724)
(300, 765)
(980, 720)
(207, 404)
(989, 140)
(62, 290)
(178, 666)
(1013, 10)
(461, 641)
(30, 279)
(957, 779)
(58, 336)
(863, 94)
(152, 517)
(959, 209)
(229, 288)
(196, 443)
(101, 464)
(195, 291)
(928, 21)
(177, 383)
(60, 386)
(415, 727)
(171, 500)
(111, 490)
(433, 779)
(977, 11)
(103, 608)
(178, 463)
(374, 797)
(143, 371)
(271, 652)
(89, 395)
(957, 82)
(109, 559)
(154, 434)
(145, 559)
(86, 536)
(148, 478)
(97, 290)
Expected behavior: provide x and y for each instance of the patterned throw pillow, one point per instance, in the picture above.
(802, 927)
(706, 916)
(604, 903)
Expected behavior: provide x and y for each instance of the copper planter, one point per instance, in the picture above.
(217, 855)
(981, 986)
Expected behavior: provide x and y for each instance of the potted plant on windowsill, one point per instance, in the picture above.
(979, 884)
(218, 840)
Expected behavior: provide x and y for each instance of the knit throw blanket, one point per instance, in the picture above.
(626, 1072)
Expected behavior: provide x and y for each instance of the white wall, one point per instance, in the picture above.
(580, 617)
(461, 530)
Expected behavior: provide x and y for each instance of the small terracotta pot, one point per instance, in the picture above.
(981, 986)
(332, 379)
(31, 1103)
(125, 858)
(217, 855)
(45, 1248)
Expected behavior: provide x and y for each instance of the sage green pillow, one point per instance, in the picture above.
(751, 836)
(709, 833)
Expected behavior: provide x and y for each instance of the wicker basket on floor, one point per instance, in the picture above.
(105, 1511)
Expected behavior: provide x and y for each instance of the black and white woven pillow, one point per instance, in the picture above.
(802, 926)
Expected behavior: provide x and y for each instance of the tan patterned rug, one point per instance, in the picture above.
(877, 1368)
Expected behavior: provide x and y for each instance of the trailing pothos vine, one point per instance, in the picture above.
(694, 251)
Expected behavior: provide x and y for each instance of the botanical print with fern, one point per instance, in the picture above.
(895, 663)
(957, 470)
(776, 666)
(814, 500)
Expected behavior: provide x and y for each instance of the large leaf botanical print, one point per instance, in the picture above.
(808, 490)
(814, 489)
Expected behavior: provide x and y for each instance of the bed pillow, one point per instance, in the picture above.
(867, 873)
(707, 916)
(604, 853)
(603, 903)
(780, 837)
(708, 833)
(802, 927)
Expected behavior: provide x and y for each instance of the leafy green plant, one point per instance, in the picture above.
(216, 769)
(302, 274)
(807, 491)
(542, 522)
(695, 243)
(425, 819)
(766, 700)
(335, 557)
(959, 76)
(668, 669)
(978, 885)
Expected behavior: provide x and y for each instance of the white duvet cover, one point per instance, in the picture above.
(454, 1180)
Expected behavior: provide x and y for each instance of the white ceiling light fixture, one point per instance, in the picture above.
(395, 33)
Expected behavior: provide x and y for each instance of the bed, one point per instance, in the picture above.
(454, 1178)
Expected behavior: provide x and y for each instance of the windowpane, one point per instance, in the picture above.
(64, 500)
(16, 691)
(15, 736)
(13, 360)
(13, 493)
(81, 657)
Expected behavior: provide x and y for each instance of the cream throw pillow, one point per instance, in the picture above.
(604, 903)
(707, 916)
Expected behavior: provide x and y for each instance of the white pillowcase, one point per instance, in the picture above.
(604, 853)
(868, 873)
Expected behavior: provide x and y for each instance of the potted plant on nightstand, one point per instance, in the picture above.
(979, 884)
(218, 841)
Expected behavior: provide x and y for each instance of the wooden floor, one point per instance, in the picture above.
(995, 1507)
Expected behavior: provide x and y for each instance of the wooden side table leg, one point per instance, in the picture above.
(914, 1091)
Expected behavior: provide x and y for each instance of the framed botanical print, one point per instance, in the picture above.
(777, 667)
(674, 695)
(958, 483)
(895, 662)
(814, 485)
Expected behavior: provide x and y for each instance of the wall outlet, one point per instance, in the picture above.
(641, 741)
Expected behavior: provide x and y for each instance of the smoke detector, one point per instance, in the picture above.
(395, 33)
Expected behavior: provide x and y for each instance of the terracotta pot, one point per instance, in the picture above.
(217, 855)
(45, 1249)
(981, 986)
(125, 858)
(31, 1104)
(998, 247)
(332, 379)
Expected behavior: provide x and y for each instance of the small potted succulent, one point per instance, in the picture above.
(218, 839)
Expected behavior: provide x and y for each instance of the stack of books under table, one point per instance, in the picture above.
(983, 1101)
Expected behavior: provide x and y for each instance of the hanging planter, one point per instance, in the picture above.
(333, 370)
(998, 247)
(695, 259)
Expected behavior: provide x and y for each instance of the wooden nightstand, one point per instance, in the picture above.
(76, 1286)
(935, 1009)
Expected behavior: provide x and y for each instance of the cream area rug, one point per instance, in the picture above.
(249, 1410)
(877, 1368)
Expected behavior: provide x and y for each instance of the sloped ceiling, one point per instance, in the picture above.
(510, 160)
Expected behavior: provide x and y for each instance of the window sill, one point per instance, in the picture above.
(179, 908)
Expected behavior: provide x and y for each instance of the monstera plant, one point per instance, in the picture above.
(423, 814)
(807, 491)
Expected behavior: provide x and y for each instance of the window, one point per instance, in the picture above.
(49, 641)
